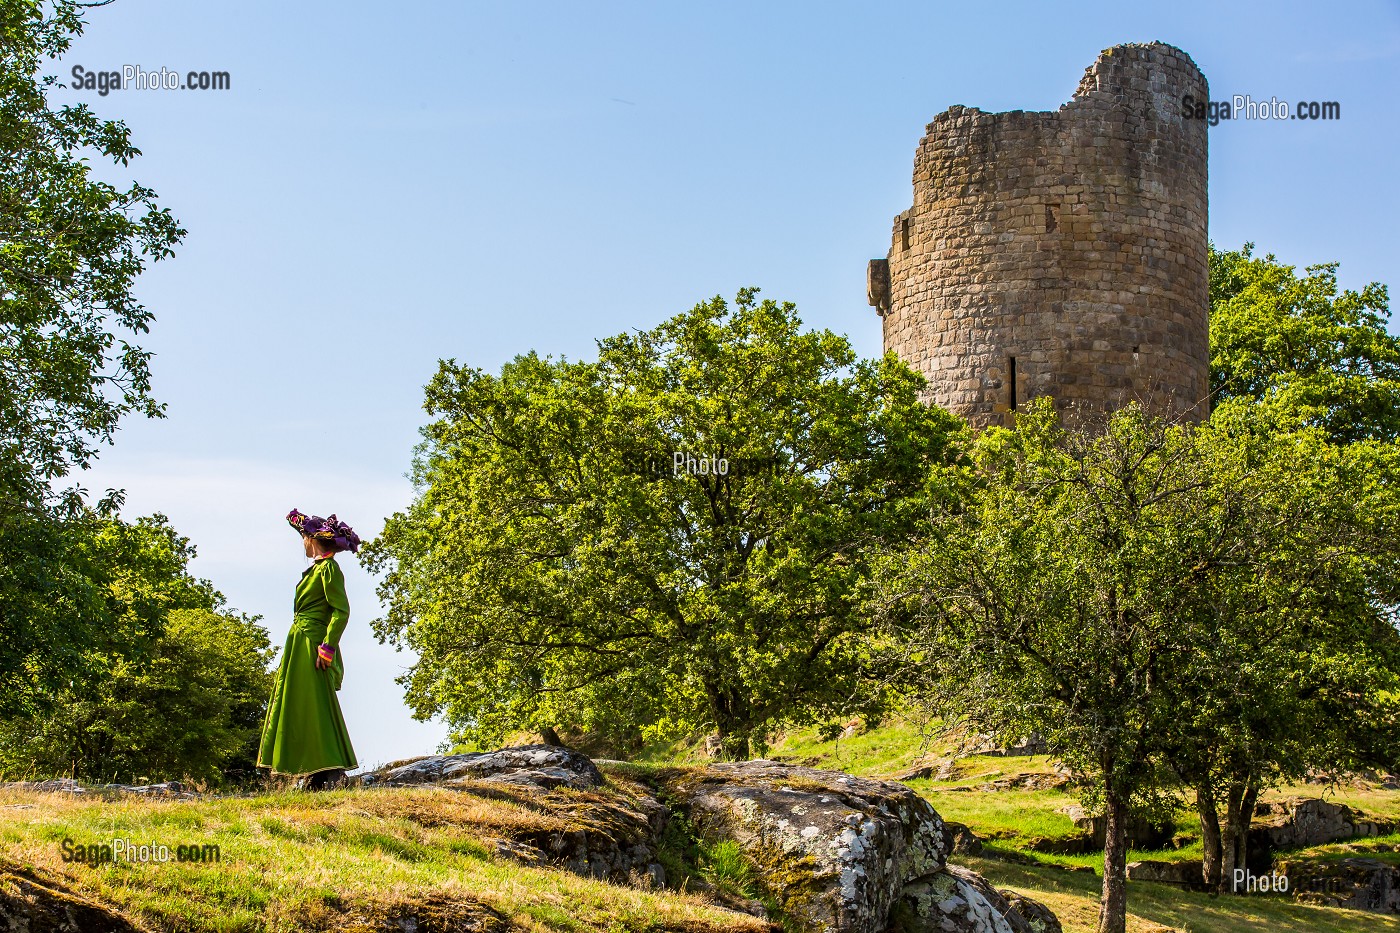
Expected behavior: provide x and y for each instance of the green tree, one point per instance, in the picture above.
(50, 608)
(1100, 585)
(1302, 667)
(1296, 343)
(1306, 355)
(71, 247)
(560, 566)
(169, 687)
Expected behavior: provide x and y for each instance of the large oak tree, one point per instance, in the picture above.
(664, 540)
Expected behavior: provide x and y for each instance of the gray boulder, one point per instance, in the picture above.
(1038, 917)
(835, 850)
(1179, 874)
(1302, 822)
(842, 854)
(956, 900)
(1358, 883)
(542, 767)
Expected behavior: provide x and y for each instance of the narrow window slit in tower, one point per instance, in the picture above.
(1052, 218)
(1011, 373)
(904, 232)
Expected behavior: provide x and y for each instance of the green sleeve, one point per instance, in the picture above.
(334, 579)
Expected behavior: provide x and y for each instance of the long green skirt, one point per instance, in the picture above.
(304, 731)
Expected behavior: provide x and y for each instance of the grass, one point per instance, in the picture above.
(1382, 848)
(339, 860)
(1012, 816)
(1014, 819)
(1153, 908)
(356, 860)
(875, 753)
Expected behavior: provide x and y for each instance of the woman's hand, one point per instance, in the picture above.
(325, 656)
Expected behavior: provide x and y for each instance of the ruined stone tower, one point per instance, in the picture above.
(1059, 253)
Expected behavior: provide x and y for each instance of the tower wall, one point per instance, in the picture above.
(1072, 243)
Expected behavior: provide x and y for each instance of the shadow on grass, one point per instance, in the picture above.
(1074, 897)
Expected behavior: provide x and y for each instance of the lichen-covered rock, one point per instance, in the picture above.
(834, 850)
(955, 900)
(535, 766)
(1038, 917)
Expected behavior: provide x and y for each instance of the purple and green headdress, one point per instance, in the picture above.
(330, 530)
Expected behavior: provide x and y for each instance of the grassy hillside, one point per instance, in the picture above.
(1013, 820)
(349, 860)
(361, 860)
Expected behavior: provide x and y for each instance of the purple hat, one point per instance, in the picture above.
(332, 530)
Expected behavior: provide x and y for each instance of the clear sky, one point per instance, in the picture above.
(385, 185)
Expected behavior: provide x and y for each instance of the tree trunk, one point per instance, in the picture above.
(1240, 798)
(731, 722)
(1228, 848)
(1210, 836)
(1244, 818)
(1113, 907)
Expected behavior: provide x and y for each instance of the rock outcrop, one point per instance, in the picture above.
(69, 786)
(615, 837)
(960, 840)
(841, 854)
(543, 767)
(832, 852)
(1189, 875)
(1301, 822)
(1358, 883)
(32, 904)
(1093, 829)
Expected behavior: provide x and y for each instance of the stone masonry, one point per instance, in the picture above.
(1059, 253)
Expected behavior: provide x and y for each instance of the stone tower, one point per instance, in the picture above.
(1059, 253)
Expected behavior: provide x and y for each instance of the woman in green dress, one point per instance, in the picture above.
(304, 732)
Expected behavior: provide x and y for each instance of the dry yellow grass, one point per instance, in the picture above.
(342, 860)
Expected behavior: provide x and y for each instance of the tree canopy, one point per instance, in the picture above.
(665, 540)
(167, 684)
(1297, 343)
(1146, 595)
(71, 247)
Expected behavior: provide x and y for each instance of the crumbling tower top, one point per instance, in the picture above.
(1059, 253)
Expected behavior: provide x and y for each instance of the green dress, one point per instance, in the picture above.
(304, 731)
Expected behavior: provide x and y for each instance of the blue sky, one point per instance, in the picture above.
(387, 185)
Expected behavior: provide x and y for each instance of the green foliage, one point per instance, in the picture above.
(50, 608)
(1146, 595)
(165, 687)
(555, 571)
(1322, 357)
(71, 248)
